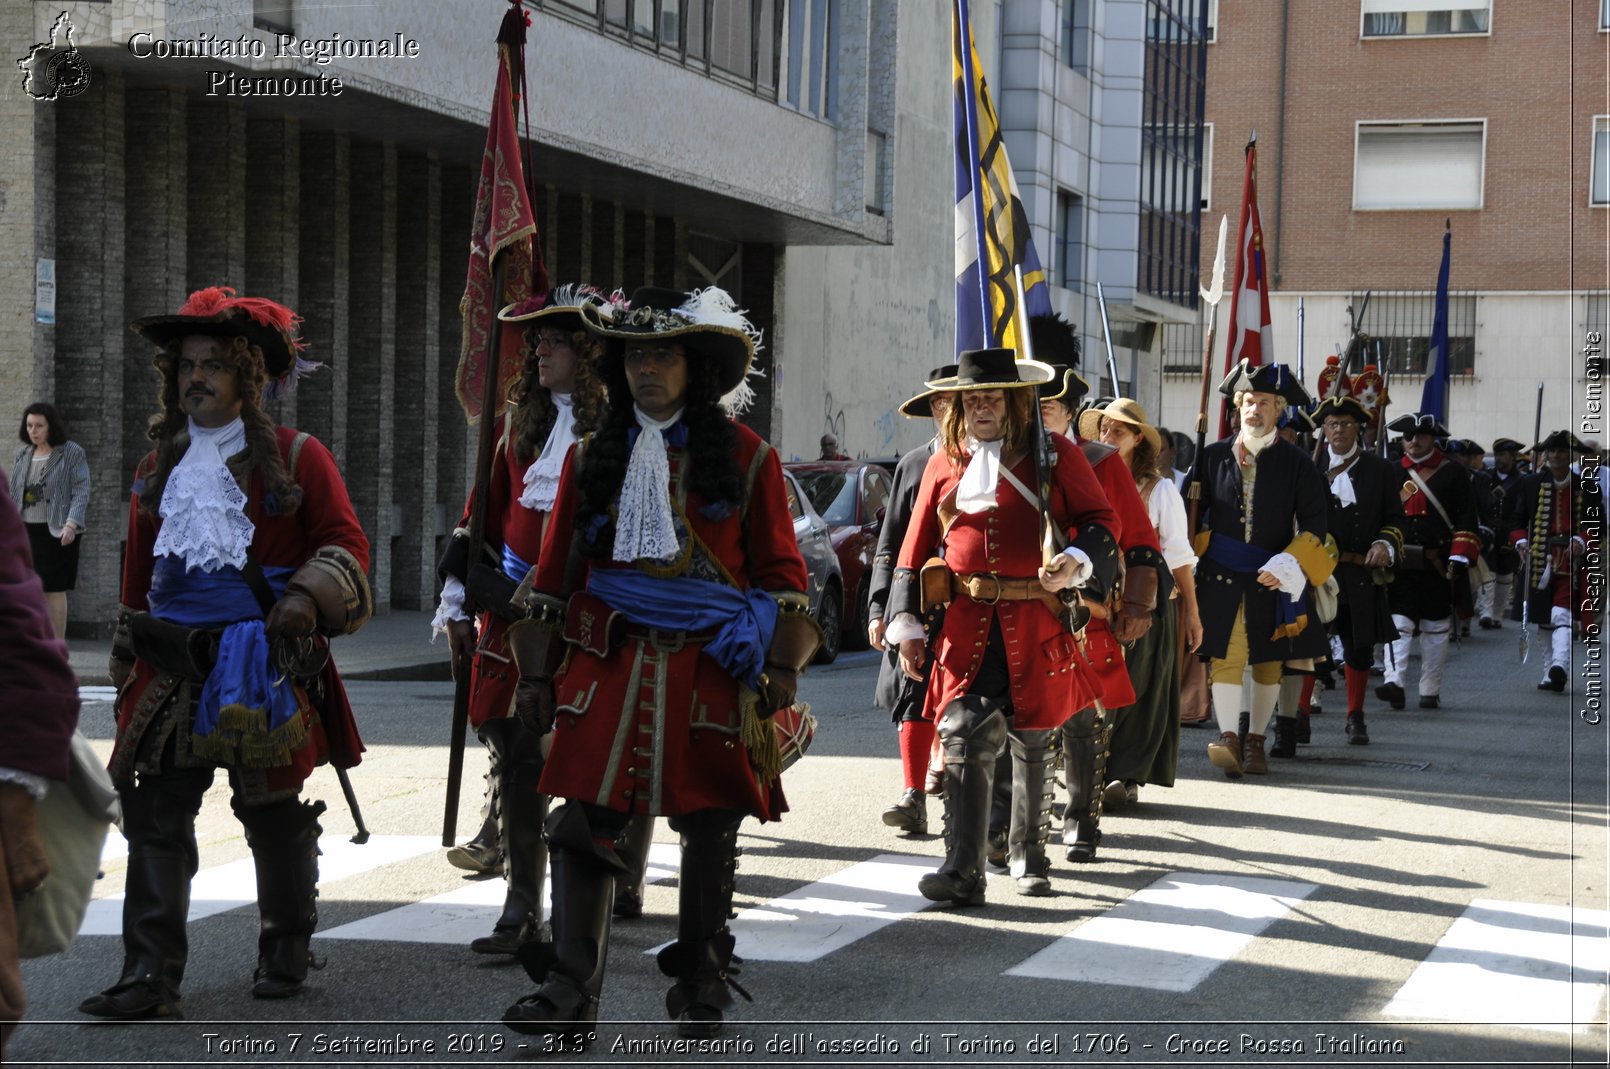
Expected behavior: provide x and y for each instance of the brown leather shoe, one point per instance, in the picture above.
(1253, 762)
(934, 783)
(1226, 753)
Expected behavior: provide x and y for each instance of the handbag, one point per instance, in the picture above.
(73, 818)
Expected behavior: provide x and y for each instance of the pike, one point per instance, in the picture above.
(1211, 297)
(1106, 336)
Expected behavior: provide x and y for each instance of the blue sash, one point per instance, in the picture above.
(744, 620)
(513, 566)
(1248, 559)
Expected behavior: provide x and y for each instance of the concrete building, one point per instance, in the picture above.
(1381, 121)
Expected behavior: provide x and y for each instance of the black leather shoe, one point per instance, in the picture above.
(507, 939)
(995, 850)
(909, 814)
(1392, 694)
(953, 887)
(137, 1000)
(1555, 681)
(1486, 623)
(1357, 733)
(1430, 701)
(1086, 838)
(628, 903)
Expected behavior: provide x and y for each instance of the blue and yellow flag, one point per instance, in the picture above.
(992, 230)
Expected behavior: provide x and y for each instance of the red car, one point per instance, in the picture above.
(851, 495)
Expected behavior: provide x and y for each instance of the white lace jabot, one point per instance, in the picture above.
(542, 476)
(203, 510)
(976, 491)
(643, 525)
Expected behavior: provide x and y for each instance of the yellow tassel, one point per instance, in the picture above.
(759, 737)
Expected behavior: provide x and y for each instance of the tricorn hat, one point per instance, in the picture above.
(1507, 445)
(217, 312)
(1342, 406)
(993, 369)
(1124, 410)
(1297, 418)
(1068, 386)
(1266, 378)
(922, 405)
(706, 321)
(1563, 439)
(561, 306)
(1412, 423)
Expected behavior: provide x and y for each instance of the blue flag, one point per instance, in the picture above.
(1434, 398)
(992, 230)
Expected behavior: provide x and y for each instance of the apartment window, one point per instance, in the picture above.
(1600, 195)
(811, 79)
(1423, 18)
(1076, 34)
(1212, 33)
(1419, 165)
(1207, 166)
(1604, 14)
(1397, 325)
(1070, 240)
(1182, 348)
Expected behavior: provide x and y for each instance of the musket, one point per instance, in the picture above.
(1211, 297)
(1106, 336)
(1526, 607)
(1537, 420)
(362, 835)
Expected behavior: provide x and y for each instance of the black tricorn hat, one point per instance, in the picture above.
(1563, 439)
(1068, 386)
(1411, 423)
(993, 369)
(1266, 378)
(922, 405)
(706, 321)
(1507, 445)
(1342, 406)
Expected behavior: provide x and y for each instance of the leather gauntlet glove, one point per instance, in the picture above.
(778, 689)
(534, 704)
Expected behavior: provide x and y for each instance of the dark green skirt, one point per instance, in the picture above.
(1146, 736)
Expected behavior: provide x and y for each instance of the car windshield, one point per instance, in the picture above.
(832, 493)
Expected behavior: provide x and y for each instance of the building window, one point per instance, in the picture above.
(1604, 14)
(1419, 165)
(1212, 32)
(812, 46)
(1076, 34)
(1070, 240)
(1397, 325)
(1207, 166)
(1182, 348)
(1600, 194)
(1423, 18)
(275, 16)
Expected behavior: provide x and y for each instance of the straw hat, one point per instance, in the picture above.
(1123, 410)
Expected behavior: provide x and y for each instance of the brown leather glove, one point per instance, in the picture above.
(293, 616)
(461, 646)
(534, 704)
(1134, 616)
(777, 689)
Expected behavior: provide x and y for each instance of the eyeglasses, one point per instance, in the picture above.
(210, 368)
(553, 339)
(663, 355)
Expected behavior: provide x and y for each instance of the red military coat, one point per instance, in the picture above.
(1051, 677)
(507, 523)
(325, 518)
(654, 725)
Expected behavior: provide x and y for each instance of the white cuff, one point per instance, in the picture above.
(1455, 558)
(903, 627)
(450, 608)
(35, 785)
(1284, 567)
(1083, 568)
(1391, 554)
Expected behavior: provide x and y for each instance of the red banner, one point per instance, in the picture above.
(1250, 338)
(504, 225)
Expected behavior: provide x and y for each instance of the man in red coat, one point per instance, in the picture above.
(1003, 652)
(243, 555)
(1554, 517)
(670, 624)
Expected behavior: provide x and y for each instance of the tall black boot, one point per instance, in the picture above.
(159, 818)
(525, 850)
(284, 837)
(484, 852)
(1000, 811)
(633, 849)
(1032, 788)
(971, 731)
(1285, 737)
(1083, 771)
(701, 960)
(570, 969)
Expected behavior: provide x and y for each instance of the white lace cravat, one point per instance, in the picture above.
(542, 477)
(1342, 485)
(203, 510)
(976, 491)
(643, 524)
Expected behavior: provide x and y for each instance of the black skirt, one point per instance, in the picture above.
(56, 564)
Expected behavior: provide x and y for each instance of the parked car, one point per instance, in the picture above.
(852, 496)
(826, 581)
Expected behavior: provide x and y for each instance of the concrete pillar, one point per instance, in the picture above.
(273, 199)
(418, 412)
(324, 270)
(27, 225)
(90, 331)
(372, 355)
(455, 447)
(217, 193)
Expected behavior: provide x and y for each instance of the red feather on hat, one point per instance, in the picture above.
(221, 302)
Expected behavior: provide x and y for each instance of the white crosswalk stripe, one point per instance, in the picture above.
(1169, 936)
(1513, 963)
(469, 912)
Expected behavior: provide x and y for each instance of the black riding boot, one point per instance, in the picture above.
(570, 969)
(1285, 737)
(1032, 787)
(484, 853)
(284, 837)
(971, 731)
(633, 849)
(1000, 811)
(1083, 769)
(159, 818)
(525, 851)
(701, 960)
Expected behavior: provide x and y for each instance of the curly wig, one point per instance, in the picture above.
(1018, 426)
(534, 410)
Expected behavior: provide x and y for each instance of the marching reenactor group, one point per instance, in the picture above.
(633, 622)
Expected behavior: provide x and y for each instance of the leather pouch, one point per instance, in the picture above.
(593, 625)
(1413, 559)
(186, 651)
(935, 579)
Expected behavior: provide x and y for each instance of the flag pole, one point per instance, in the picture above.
(964, 51)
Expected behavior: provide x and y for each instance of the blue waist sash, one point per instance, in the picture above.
(241, 678)
(513, 566)
(744, 620)
(1248, 559)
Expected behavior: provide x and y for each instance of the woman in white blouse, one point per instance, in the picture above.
(1146, 736)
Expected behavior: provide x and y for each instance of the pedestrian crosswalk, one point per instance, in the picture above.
(1524, 964)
